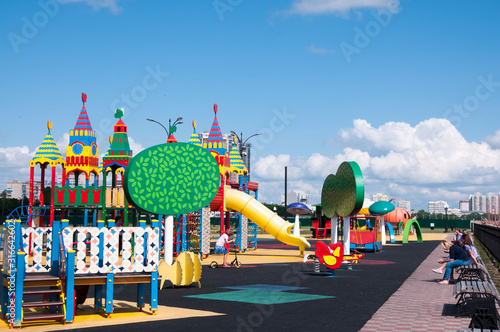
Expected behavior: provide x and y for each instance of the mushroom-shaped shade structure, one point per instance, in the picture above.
(363, 211)
(396, 216)
(381, 207)
(297, 208)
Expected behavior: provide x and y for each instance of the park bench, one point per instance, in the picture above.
(477, 298)
(472, 272)
(467, 290)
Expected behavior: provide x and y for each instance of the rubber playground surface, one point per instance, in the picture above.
(273, 290)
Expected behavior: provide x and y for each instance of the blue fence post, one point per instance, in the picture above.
(98, 288)
(64, 224)
(70, 286)
(5, 294)
(18, 243)
(141, 288)
(154, 275)
(110, 277)
(56, 247)
(154, 291)
(18, 301)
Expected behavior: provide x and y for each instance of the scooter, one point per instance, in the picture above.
(236, 263)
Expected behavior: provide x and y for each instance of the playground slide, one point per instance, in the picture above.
(265, 218)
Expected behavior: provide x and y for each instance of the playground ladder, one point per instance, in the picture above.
(178, 228)
(48, 296)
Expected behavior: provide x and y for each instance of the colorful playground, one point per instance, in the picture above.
(129, 240)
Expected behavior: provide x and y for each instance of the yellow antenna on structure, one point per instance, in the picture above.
(110, 139)
(194, 124)
(49, 125)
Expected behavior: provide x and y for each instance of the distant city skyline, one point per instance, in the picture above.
(409, 90)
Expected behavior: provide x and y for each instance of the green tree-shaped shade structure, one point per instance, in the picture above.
(344, 192)
(172, 178)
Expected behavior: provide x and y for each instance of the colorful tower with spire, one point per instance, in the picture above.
(47, 154)
(237, 164)
(82, 152)
(194, 139)
(217, 146)
(119, 152)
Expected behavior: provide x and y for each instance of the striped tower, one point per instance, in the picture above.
(194, 139)
(237, 164)
(82, 152)
(47, 154)
(217, 146)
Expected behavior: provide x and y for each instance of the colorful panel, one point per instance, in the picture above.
(77, 196)
(140, 249)
(41, 258)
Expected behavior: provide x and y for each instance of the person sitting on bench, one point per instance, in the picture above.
(458, 257)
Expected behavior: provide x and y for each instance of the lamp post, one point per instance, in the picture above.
(446, 218)
(242, 146)
(172, 128)
(169, 219)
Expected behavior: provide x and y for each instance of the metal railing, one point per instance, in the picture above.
(489, 237)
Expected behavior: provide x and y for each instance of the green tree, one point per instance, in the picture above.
(10, 204)
(421, 214)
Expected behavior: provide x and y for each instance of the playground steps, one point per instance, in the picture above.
(42, 286)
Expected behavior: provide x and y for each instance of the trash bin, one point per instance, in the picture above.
(432, 226)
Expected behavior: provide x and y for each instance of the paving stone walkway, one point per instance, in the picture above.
(420, 304)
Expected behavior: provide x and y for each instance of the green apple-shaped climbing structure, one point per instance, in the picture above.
(173, 178)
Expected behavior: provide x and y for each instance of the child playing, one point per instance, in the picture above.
(220, 245)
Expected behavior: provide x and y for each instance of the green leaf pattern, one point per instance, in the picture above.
(172, 178)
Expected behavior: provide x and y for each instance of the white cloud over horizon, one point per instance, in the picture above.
(15, 163)
(320, 7)
(428, 161)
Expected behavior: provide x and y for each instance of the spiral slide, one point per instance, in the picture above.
(265, 218)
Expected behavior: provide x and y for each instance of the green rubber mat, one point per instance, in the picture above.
(260, 297)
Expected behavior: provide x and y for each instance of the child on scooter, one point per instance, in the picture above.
(220, 245)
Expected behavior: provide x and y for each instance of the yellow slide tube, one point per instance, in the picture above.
(266, 219)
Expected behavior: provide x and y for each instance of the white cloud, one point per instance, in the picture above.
(135, 146)
(112, 5)
(318, 7)
(429, 161)
(62, 142)
(493, 140)
(14, 163)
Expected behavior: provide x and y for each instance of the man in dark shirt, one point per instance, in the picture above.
(458, 257)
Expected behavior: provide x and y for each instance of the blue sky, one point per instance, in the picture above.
(408, 89)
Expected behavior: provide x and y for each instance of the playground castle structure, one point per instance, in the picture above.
(41, 252)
